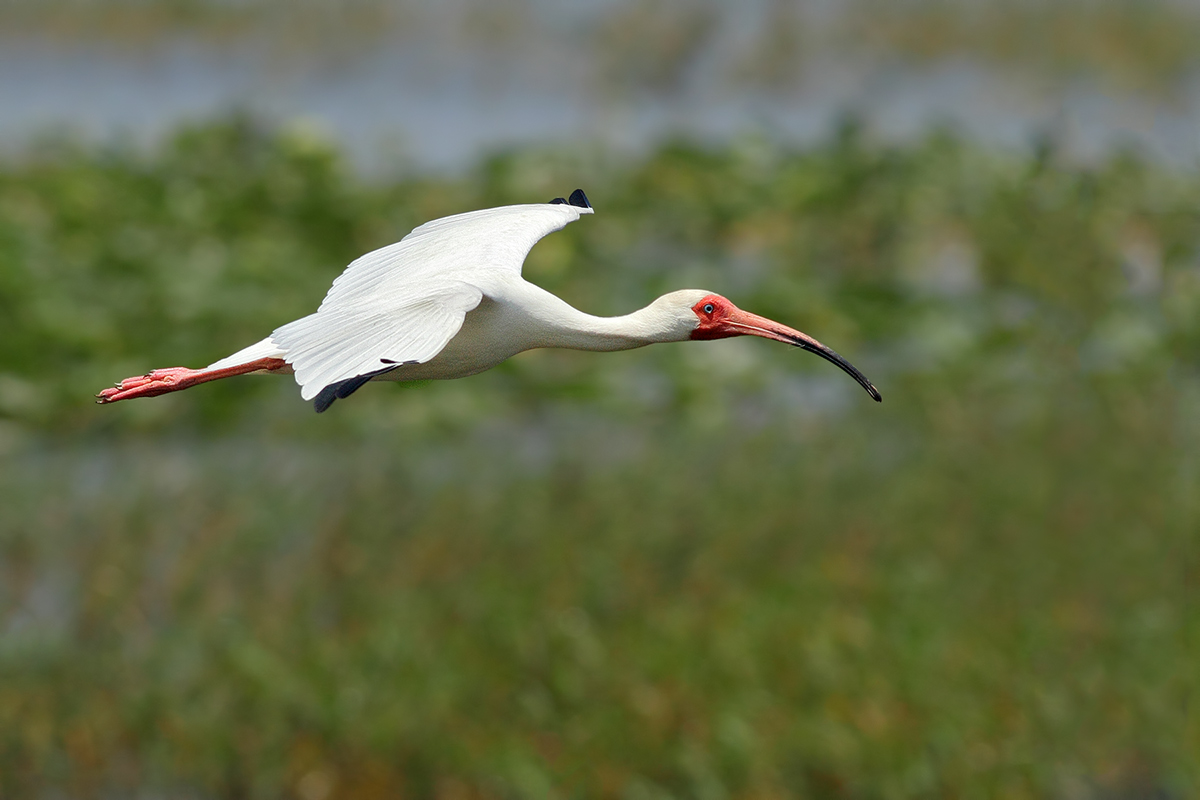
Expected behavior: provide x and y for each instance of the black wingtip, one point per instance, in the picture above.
(579, 199)
(343, 389)
(558, 201)
(325, 398)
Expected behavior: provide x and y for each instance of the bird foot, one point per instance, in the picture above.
(159, 381)
(172, 379)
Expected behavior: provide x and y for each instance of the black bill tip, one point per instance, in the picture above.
(832, 357)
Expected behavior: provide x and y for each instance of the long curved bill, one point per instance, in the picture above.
(754, 325)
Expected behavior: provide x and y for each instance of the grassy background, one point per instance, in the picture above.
(1143, 46)
(704, 570)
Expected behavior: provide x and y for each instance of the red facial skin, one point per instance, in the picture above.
(721, 319)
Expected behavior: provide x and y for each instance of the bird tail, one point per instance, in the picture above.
(267, 348)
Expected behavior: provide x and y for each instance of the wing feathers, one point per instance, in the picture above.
(343, 389)
(328, 347)
(406, 301)
(460, 247)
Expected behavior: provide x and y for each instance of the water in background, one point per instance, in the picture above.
(436, 85)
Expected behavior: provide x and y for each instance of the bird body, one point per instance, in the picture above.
(448, 301)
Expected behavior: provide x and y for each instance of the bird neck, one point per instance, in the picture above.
(566, 326)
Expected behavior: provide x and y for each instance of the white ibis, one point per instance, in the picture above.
(448, 301)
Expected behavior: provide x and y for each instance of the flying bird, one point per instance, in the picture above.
(448, 301)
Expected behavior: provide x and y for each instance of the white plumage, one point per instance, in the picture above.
(448, 301)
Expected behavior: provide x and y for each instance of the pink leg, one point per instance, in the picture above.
(172, 379)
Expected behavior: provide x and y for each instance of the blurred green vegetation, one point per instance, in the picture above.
(639, 46)
(1129, 44)
(698, 570)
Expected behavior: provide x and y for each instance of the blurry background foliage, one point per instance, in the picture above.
(936, 259)
(637, 45)
(701, 570)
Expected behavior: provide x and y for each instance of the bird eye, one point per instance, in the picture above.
(708, 308)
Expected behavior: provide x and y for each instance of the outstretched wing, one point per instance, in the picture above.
(339, 343)
(403, 303)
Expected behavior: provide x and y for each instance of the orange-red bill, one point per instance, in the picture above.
(753, 325)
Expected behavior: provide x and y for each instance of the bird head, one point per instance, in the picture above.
(717, 318)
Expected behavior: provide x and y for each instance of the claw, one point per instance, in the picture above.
(155, 382)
